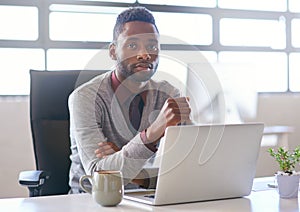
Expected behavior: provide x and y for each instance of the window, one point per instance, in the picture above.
(267, 5)
(256, 68)
(18, 23)
(78, 59)
(181, 32)
(173, 65)
(82, 23)
(81, 27)
(128, 1)
(253, 32)
(296, 32)
(294, 72)
(15, 65)
(257, 40)
(192, 3)
(294, 6)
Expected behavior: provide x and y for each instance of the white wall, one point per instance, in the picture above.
(277, 109)
(281, 109)
(16, 151)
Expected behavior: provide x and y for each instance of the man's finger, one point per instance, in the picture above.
(182, 99)
(104, 148)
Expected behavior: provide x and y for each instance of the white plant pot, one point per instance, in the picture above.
(288, 186)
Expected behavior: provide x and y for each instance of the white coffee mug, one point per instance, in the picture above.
(107, 187)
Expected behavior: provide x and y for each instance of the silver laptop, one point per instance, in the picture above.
(207, 162)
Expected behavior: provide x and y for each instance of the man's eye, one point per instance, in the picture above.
(152, 47)
(132, 46)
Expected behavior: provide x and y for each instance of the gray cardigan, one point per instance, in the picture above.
(96, 116)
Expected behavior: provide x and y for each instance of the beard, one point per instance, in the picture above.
(128, 72)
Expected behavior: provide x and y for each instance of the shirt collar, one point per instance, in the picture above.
(123, 93)
(114, 81)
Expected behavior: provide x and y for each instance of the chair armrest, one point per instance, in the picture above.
(34, 180)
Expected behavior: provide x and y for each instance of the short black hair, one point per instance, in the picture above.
(132, 14)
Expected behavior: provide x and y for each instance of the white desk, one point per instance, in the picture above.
(262, 201)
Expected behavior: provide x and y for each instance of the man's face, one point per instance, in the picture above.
(136, 51)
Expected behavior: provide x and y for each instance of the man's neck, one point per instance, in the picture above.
(132, 85)
(124, 92)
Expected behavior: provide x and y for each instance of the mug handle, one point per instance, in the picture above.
(82, 178)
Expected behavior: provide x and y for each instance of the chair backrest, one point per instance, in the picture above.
(49, 116)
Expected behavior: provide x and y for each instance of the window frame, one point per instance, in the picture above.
(44, 41)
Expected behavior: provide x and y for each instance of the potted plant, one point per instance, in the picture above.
(287, 177)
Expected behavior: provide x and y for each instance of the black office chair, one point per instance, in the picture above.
(49, 116)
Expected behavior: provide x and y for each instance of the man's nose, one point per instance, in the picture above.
(143, 54)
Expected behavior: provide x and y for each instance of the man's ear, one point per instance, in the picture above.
(112, 51)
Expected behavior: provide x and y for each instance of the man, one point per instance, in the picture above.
(118, 118)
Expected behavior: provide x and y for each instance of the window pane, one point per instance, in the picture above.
(183, 32)
(253, 32)
(202, 3)
(125, 1)
(173, 71)
(15, 65)
(267, 71)
(173, 66)
(188, 57)
(268, 5)
(78, 59)
(294, 5)
(85, 9)
(294, 72)
(82, 23)
(18, 23)
(296, 32)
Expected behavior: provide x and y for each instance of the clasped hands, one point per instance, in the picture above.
(174, 111)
